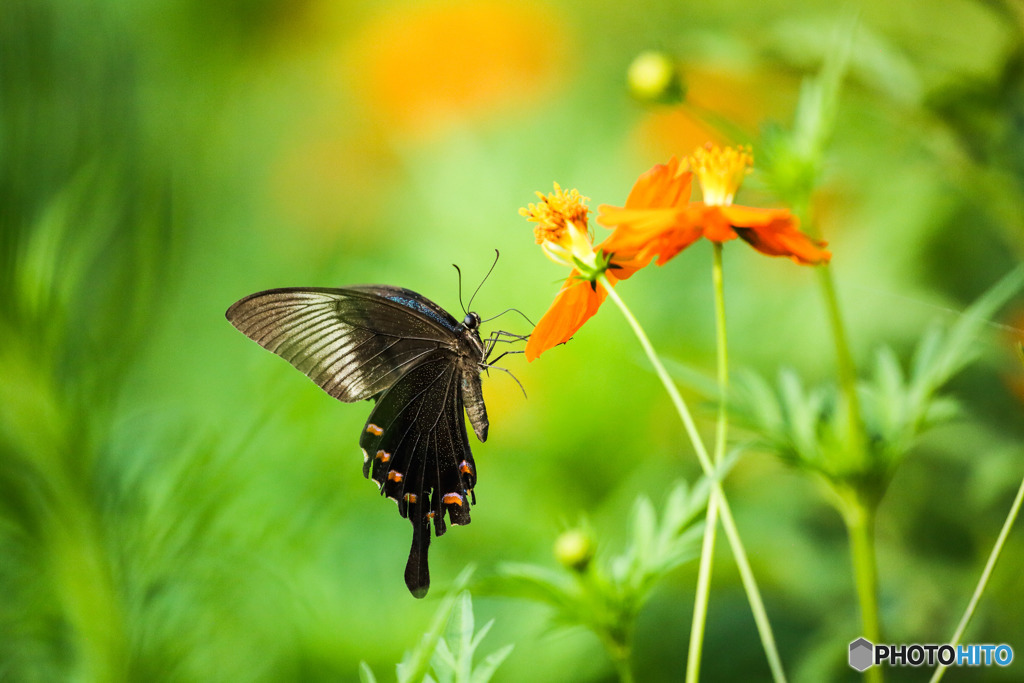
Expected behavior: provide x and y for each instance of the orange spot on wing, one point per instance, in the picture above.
(452, 499)
(395, 476)
(383, 455)
(374, 429)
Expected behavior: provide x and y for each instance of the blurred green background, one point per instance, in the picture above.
(178, 505)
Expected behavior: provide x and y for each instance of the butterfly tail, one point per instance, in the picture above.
(417, 573)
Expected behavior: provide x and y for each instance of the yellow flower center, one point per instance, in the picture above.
(562, 226)
(720, 171)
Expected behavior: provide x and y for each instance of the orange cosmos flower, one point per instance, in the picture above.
(563, 233)
(658, 219)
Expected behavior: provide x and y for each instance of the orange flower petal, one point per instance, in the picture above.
(661, 187)
(574, 305)
(655, 220)
(775, 232)
(635, 228)
(669, 244)
(654, 200)
(715, 221)
(793, 244)
(751, 217)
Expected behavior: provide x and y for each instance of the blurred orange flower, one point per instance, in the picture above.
(563, 232)
(657, 220)
(434, 65)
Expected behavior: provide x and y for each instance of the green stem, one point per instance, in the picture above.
(700, 605)
(859, 506)
(718, 279)
(997, 549)
(844, 357)
(859, 516)
(620, 657)
(728, 523)
(844, 362)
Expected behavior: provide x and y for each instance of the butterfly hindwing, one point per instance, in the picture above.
(416, 448)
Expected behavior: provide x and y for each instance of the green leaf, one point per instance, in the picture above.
(454, 654)
(366, 673)
(484, 672)
(481, 634)
(927, 351)
(444, 663)
(643, 529)
(767, 409)
(541, 584)
(460, 637)
(677, 510)
(416, 663)
(891, 394)
(960, 344)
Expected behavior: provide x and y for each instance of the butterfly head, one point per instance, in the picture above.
(471, 321)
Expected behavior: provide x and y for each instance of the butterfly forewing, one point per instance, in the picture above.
(353, 342)
(420, 365)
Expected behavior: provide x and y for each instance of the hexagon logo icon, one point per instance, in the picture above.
(861, 651)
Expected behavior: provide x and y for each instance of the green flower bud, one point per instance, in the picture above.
(574, 549)
(654, 77)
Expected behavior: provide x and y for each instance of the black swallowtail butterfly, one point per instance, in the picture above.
(421, 367)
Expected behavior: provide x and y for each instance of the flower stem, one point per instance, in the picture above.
(859, 506)
(620, 657)
(844, 362)
(717, 275)
(700, 605)
(993, 557)
(728, 523)
(859, 516)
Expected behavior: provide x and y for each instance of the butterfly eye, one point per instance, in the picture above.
(472, 321)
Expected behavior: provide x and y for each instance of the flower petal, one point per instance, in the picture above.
(635, 228)
(654, 222)
(796, 246)
(714, 220)
(669, 244)
(775, 232)
(655, 200)
(661, 187)
(576, 303)
(751, 217)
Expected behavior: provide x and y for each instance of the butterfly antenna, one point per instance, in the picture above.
(457, 270)
(496, 255)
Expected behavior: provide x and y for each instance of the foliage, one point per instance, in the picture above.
(606, 595)
(808, 427)
(449, 656)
